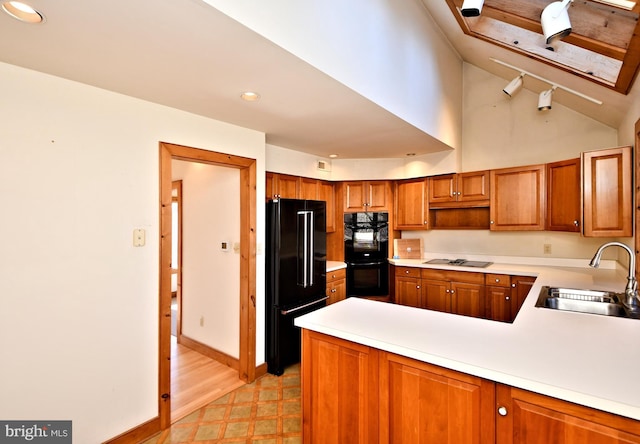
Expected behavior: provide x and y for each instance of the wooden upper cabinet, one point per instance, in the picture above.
(607, 183)
(462, 189)
(518, 198)
(367, 196)
(563, 196)
(282, 185)
(308, 188)
(326, 192)
(410, 204)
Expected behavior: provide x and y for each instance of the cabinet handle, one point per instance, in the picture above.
(333, 290)
(502, 411)
(418, 287)
(447, 291)
(507, 298)
(406, 271)
(513, 285)
(491, 222)
(497, 280)
(452, 291)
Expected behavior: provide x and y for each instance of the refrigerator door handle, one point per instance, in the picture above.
(292, 310)
(306, 243)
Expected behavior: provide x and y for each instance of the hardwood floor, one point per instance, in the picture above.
(196, 380)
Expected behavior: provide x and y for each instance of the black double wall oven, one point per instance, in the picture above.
(366, 248)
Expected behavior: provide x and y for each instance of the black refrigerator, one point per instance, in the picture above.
(296, 250)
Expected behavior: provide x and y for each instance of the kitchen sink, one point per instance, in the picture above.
(604, 303)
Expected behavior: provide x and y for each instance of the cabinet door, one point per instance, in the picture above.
(376, 194)
(499, 301)
(518, 198)
(563, 196)
(326, 193)
(521, 286)
(436, 295)
(467, 299)
(442, 188)
(607, 192)
(337, 291)
(425, 404)
(408, 291)
(308, 189)
(269, 187)
(354, 196)
(529, 418)
(473, 186)
(339, 390)
(410, 203)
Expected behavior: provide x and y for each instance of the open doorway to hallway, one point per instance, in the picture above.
(205, 284)
(193, 317)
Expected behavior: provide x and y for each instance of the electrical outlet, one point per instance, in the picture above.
(139, 237)
(547, 248)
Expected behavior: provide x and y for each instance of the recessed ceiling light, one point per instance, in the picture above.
(250, 96)
(22, 12)
(333, 156)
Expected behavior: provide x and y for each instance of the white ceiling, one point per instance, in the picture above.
(187, 55)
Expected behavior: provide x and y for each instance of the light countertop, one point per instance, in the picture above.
(335, 265)
(587, 359)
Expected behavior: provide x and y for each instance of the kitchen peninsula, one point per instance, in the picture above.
(374, 371)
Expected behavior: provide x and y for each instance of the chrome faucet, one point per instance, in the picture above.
(632, 300)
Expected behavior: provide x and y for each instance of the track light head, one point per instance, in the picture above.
(555, 21)
(545, 98)
(514, 86)
(471, 8)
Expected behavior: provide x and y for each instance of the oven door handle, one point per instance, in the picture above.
(353, 264)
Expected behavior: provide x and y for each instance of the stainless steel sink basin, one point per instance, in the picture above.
(604, 303)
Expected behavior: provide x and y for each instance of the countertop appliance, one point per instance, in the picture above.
(459, 263)
(296, 251)
(366, 249)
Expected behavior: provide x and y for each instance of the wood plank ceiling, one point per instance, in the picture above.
(603, 47)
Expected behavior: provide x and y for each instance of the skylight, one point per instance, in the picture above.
(603, 46)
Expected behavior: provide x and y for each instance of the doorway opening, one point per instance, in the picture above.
(247, 277)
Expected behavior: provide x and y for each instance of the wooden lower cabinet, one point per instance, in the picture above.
(463, 293)
(423, 403)
(336, 285)
(352, 394)
(339, 390)
(530, 418)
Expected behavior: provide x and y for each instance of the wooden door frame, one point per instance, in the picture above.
(636, 172)
(248, 208)
(177, 186)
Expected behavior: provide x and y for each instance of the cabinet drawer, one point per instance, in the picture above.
(498, 280)
(336, 274)
(453, 276)
(407, 272)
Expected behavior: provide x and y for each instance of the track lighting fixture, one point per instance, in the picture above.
(555, 21)
(471, 8)
(544, 99)
(514, 86)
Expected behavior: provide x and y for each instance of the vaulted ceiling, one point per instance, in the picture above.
(187, 55)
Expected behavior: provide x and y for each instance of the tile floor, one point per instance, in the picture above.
(267, 411)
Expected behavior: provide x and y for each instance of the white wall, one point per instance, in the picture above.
(79, 319)
(210, 275)
(391, 52)
(499, 131)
